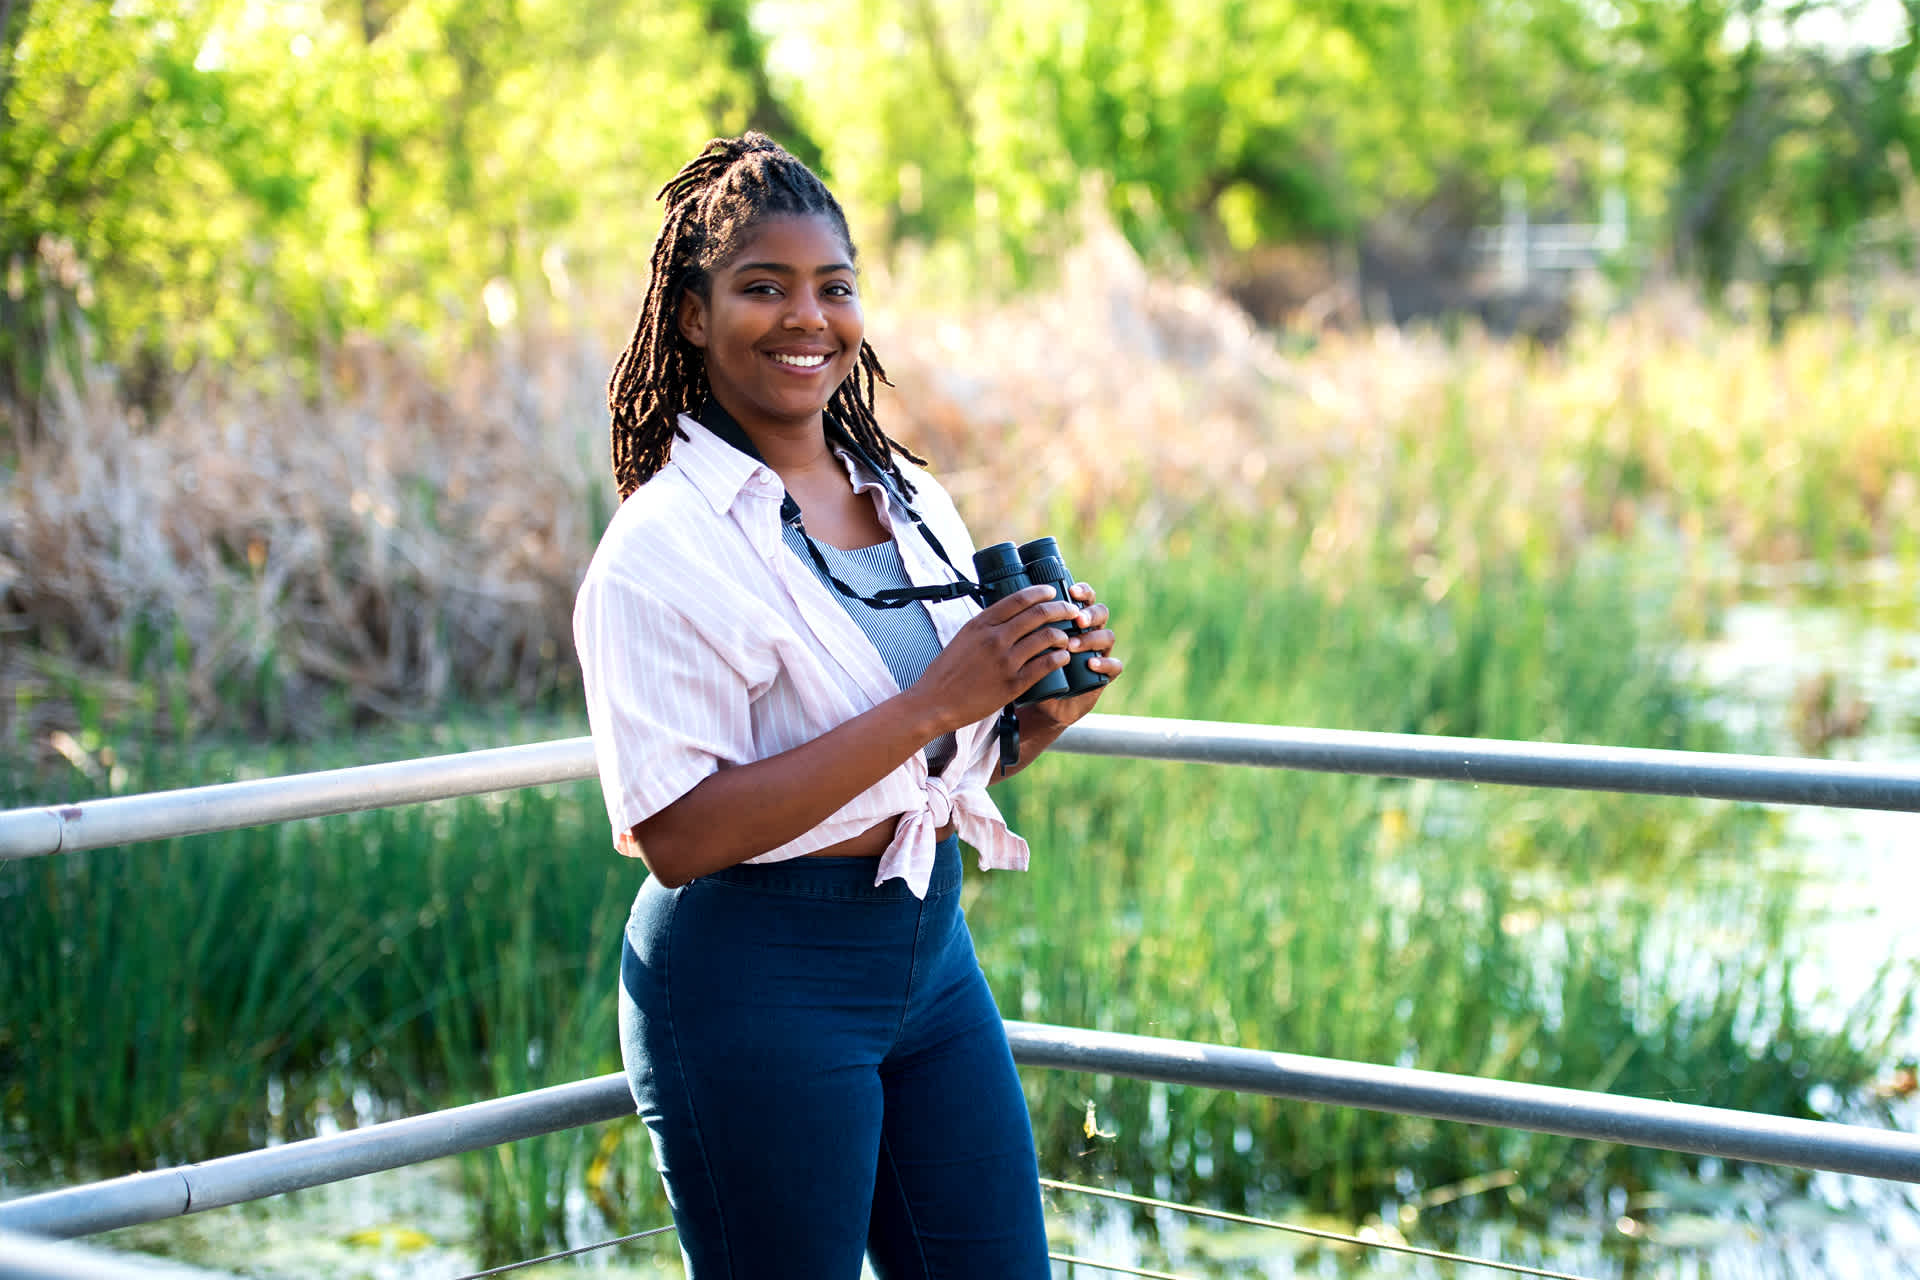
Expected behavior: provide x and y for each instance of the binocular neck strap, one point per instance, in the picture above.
(717, 420)
(889, 597)
(722, 424)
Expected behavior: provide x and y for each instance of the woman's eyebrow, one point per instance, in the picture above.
(786, 269)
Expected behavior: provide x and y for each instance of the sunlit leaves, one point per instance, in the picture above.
(239, 180)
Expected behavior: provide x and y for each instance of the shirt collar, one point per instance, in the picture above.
(717, 469)
(720, 471)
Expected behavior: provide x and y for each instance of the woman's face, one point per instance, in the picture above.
(781, 326)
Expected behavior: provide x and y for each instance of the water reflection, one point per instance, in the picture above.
(1862, 867)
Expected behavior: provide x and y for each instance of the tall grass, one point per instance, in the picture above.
(194, 997)
(1579, 939)
(159, 999)
(411, 536)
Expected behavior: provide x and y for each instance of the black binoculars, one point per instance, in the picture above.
(1004, 569)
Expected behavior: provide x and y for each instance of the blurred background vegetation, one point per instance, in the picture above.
(307, 311)
(383, 249)
(185, 181)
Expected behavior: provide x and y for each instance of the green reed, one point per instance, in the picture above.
(160, 998)
(193, 997)
(1563, 938)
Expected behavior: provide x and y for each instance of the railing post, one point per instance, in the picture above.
(1516, 248)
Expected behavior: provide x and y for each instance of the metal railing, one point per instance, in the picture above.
(147, 1197)
(117, 820)
(1574, 1113)
(23, 1257)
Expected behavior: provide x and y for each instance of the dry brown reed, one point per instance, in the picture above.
(414, 530)
(1113, 394)
(286, 561)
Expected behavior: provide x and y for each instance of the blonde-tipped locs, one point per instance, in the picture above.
(713, 205)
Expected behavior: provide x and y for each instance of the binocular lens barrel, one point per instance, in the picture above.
(1002, 573)
(991, 564)
(1043, 564)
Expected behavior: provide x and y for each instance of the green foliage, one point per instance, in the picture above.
(1217, 127)
(187, 181)
(232, 182)
(1200, 126)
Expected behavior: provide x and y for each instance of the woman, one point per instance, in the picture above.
(807, 1033)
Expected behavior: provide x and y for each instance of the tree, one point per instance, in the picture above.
(218, 180)
(116, 167)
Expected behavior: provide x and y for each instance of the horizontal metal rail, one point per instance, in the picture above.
(1738, 1135)
(313, 1162)
(227, 806)
(26, 1258)
(1640, 770)
(118, 820)
(1572, 1113)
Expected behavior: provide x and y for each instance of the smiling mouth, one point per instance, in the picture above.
(799, 362)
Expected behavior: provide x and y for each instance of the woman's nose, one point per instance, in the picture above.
(803, 312)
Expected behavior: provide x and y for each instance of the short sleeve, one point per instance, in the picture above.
(665, 707)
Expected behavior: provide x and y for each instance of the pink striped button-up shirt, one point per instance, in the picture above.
(704, 643)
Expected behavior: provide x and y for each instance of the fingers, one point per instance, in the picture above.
(1098, 646)
(1092, 613)
(1042, 641)
(1089, 614)
(1092, 619)
(1094, 637)
(1012, 605)
(1024, 628)
(1096, 641)
(1048, 615)
(1027, 636)
(1026, 609)
(1035, 669)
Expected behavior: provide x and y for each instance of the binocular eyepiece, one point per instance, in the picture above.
(1004, 569)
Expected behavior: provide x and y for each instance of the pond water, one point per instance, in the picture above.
(1778, 674)
(1785, 679)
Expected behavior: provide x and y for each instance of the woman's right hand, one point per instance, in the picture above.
(998, 655)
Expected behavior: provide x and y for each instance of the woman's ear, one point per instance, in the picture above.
(693, 318)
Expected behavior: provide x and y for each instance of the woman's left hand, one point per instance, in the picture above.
(1095, 639)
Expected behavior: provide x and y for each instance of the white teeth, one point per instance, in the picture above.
(802, 362)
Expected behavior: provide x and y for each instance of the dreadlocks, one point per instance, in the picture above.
(713, 205)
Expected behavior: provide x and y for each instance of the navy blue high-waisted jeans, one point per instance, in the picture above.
(825, 1075)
